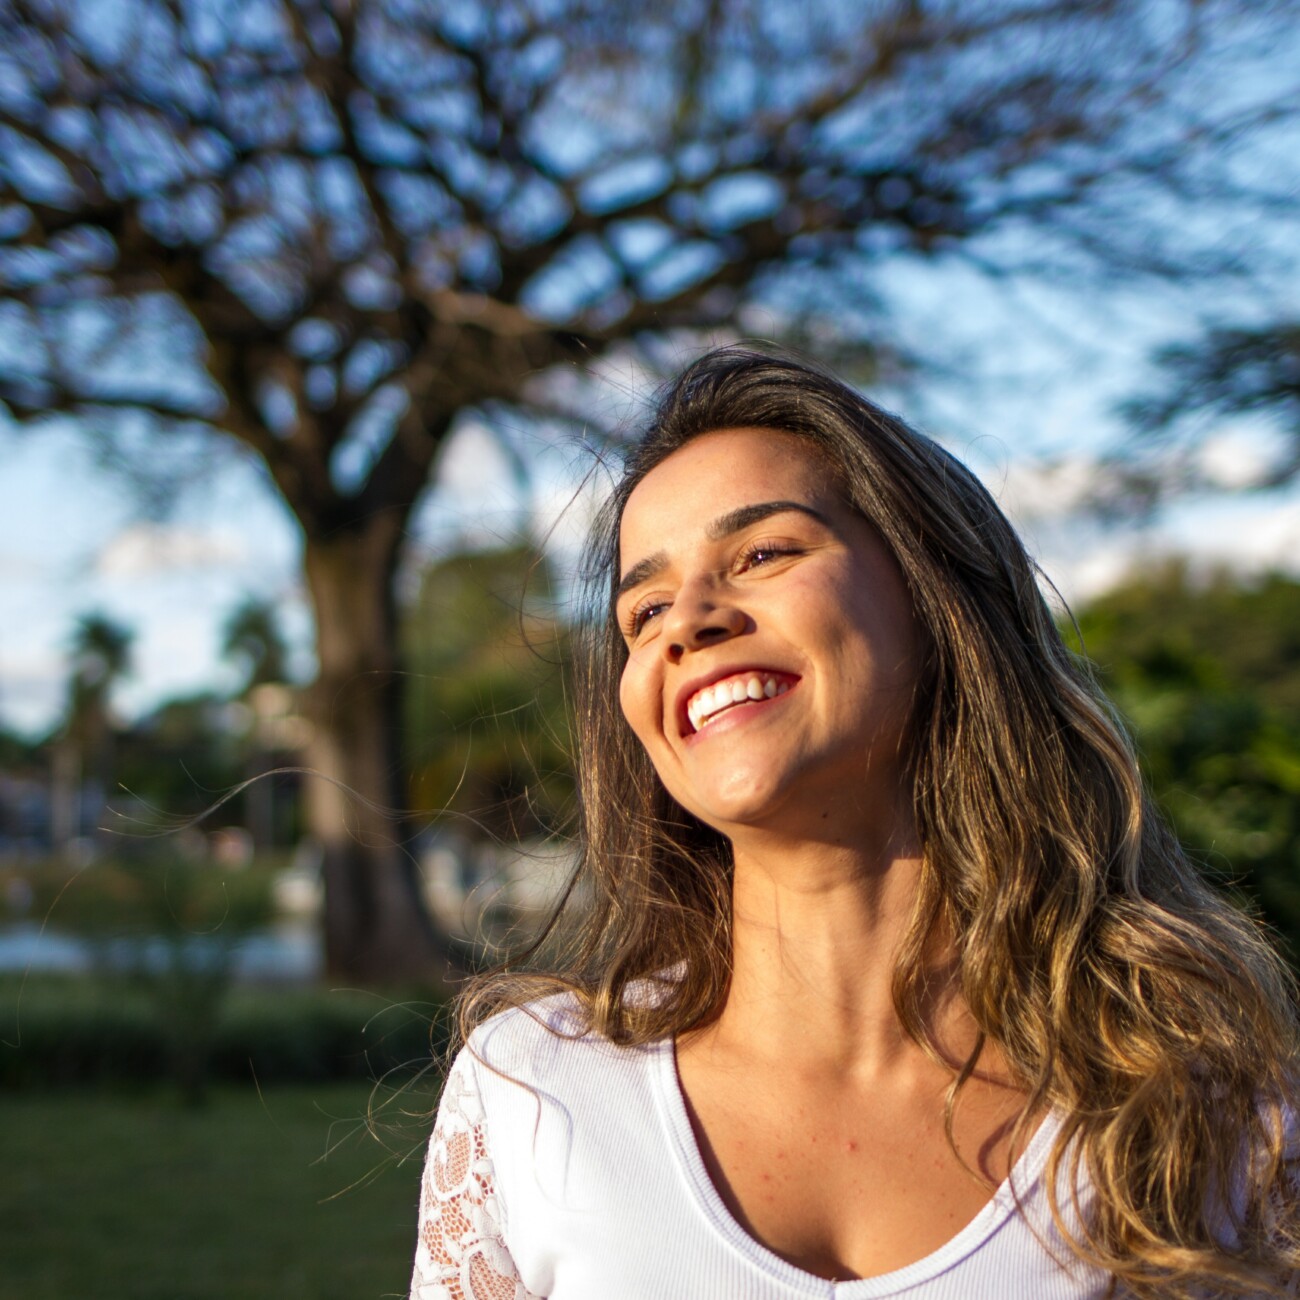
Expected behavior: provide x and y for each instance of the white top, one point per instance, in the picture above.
(565, 1167)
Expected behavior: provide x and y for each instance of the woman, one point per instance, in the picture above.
(890, 980)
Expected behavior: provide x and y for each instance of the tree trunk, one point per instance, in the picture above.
(377, 927)
(65, 796)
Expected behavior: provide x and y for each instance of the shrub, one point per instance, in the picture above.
(58, 1031)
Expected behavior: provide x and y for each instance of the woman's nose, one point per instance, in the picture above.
(699, 619)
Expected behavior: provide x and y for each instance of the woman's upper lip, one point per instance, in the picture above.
(690, 687)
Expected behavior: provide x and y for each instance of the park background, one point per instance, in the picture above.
(322, 324)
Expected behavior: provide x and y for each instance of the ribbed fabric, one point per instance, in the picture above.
(602, 1193)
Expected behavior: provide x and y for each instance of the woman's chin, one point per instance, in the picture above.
(755, 802)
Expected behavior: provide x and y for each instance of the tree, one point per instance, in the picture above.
(326, 228)
(485, 726)
(101, 654)
(252, 637)
(171, 765)
(1208, 674)
(1229, 370)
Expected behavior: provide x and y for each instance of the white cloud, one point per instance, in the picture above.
(1246, 532)
(175, 656)
(146, 550)
(1034, 490)
(18, 566)
(1241, 457)
(32, 689)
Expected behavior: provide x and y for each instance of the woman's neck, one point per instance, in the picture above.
(816, 934)
(818, 927)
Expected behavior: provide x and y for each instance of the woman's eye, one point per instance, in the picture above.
(763, 553)
(642, 614)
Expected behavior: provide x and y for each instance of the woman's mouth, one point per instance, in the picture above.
(728, 692)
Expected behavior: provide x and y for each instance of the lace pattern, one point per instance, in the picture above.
(460, 1253)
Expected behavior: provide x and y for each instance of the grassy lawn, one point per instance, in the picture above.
(127, 1196)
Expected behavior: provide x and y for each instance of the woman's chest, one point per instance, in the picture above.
(844, 1180)
(604, 1191)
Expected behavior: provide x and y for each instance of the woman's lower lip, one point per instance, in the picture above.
(738, 713)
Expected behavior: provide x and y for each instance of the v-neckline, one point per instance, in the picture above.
(675, 1115)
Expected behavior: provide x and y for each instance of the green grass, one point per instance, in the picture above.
(283, 1195)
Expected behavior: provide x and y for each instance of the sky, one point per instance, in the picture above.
(1027, 376)
(1030, 408)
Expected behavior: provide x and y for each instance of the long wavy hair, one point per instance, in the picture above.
(1118, 987)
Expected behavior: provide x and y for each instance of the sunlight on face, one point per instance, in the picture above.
(771, 641)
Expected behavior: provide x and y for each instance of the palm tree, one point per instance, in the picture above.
(252, 637)
(101, 655)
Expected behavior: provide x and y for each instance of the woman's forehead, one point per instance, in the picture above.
(718, 472)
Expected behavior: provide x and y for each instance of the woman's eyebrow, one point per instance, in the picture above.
(734, 520)
(723, 526)
(641, 571)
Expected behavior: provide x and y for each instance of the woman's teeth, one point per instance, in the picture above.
(712, 700)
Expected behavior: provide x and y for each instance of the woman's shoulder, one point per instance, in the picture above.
(548, 1044)
(530, 1025)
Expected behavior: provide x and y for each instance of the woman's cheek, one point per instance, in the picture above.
(633, 698)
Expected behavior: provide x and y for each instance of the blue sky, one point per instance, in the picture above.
(1034, 375)
(1028, 374)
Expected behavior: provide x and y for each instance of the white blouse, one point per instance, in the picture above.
(563, 1167)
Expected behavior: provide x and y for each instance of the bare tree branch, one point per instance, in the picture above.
(326, 228)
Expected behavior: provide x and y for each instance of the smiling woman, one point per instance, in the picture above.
(889, 981)
(770, 581)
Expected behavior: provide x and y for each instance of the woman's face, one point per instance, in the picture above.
(772, 649)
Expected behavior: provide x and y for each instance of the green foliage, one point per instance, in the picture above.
(175, 1013)
(486, 732)
(62, 1031)
(1208, 675)
(65, 1031)
(101, 653)
(16, 752)
(189, 758)
(148, 894)
(187, 924)
(195, 928)
(177, 762)
(253, 638)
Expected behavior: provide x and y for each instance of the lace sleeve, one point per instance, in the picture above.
(460, 1253)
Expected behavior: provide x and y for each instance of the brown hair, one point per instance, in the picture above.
(1119, 988)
